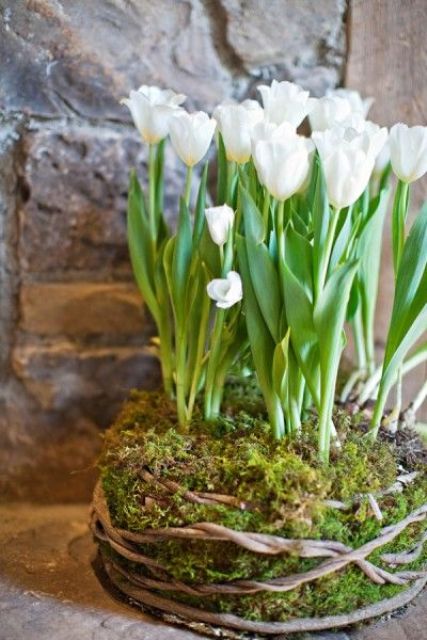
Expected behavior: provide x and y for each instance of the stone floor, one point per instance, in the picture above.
(49, 591)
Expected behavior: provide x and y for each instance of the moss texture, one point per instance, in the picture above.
(283, 485)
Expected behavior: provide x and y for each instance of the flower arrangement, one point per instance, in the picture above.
(260, 282)
(266, 279)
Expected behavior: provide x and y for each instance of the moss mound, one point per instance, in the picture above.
(283, 488)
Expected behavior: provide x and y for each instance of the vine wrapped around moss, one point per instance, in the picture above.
(150, 470)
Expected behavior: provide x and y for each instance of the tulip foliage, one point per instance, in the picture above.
(270, 273)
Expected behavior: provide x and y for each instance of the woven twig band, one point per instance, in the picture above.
(337, 556)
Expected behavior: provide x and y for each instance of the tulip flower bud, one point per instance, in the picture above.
(357, 103)
(191, 135)
(348, 159)
(284, 102)
(220, 220)
(327, 112)
(226, 291)
(408, 151)
(282, 163)
(235, 122)
(151, 109)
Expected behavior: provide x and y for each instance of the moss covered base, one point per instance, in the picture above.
(153, 476)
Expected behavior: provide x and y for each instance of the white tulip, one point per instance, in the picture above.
(327, 112)
(265, 130)
(408, 151)
(191, 135)
(357, 103)
(226, 291)
(151, 109)
(235, 122)
(348, 159)
(220, 220)
(284, 102)
(282, 163)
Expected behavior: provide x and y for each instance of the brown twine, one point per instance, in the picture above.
(125, 544)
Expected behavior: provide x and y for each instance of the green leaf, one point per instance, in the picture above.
(329, 317)
(197, 322)
(299, 258)
(368, 249)
(321, 217)
(411, 291)
(252, 217)
(140, 245)
(299, 313)
(330, 313)
(262, 344)
(342, 238)
(168, 254)
(263, 274)
(159, 164)
(354, 300)
(253, 183)
(280, 365)
(181, 262)
(209, 253)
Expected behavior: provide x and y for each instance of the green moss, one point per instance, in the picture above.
(282, 484)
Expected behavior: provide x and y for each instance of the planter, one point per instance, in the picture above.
(237, 533)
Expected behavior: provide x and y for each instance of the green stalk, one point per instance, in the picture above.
(231, 170)
(325, 421)
(369, 342)
(280, 237)
(166, 351)
(213, 361)
(378, 414)
(327, 382)
(152, 194)
(196, 374)
(275, 415)
(399, 215)
(181, 361)
(187, 189)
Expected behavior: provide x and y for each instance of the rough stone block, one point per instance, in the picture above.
(289, 39)
(90, 382)
(58, 62)
(81, 309)
(74, 217)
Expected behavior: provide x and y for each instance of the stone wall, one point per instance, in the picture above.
(73, 331)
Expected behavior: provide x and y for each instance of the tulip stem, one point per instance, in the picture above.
(199, 360)
(152, 194)
(180, 379)
(231, 169)
(399, 214)
(166, 360)
(187, 191)
(266, 208)
(280, 238)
